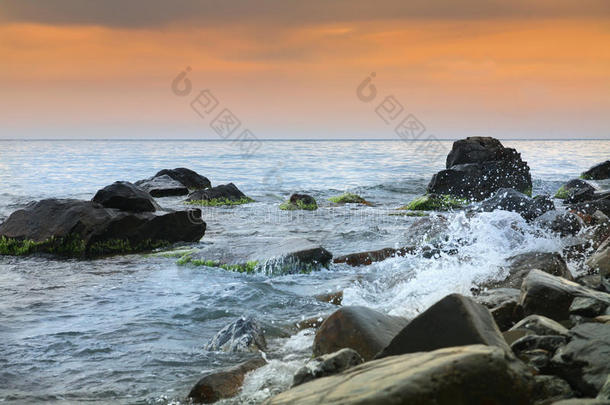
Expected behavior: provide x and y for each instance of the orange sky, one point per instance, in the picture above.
(518, 73)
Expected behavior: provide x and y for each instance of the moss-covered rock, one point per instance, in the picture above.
(300, 202)
(349, 198)
(224, 194)
(216, 202)
(247, 267)
(434, 202)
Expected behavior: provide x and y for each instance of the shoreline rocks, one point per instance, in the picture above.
(300, 202)
(224, 194)
(508, 199)
(242, 335)
(174, 182)
(125, 196)
(600, 171)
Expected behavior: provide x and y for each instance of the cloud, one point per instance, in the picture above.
(157, 13)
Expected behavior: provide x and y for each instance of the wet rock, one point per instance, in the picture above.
(588, 208)
(520, 265)
(575, 191)
(243, 335)
(548, 343)
(363, 329)
(600, 171)
(453, 321)
(583, 362)
(587, 307)
(310, 323)
(366, 258)
(511, 200)
(537, 359)
(503, 303)
(85, 228)
(551, 296)
(563, 223)
(600, 262)
(435, 202)
(162, 186)
(349, 198)
(300, 202)
(125, 196)
(224, 194)
(188, 178)
(450, 376)
(550, 388)
(326, 365)
(604, 393)
(334, 298)
(541, 325)
(582, 401)
(223, 383)
(478, 166)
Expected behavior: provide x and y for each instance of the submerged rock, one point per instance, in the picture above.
(349, 198)
(242, 335)
(326, 365)
(511, 200)
(224, 383)
(162, 186)
(84, 228)
(224, 194)
(363, 329)
(453, 321)
(575, 191)
(453, 376)
(300, 202)
(600, 171)
(125, 196)
(478, 166)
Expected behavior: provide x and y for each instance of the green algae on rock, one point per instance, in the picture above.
(349, 198)
(217, 202)
(434, 202)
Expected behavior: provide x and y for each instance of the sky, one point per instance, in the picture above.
(292, 69)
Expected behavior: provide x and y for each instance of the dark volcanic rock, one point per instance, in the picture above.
(478, 166)
(362, 329)
(551, 296)
(223, 383)
(186, 177)
(464, 375)
(576, 191)
(326, 365)
(511, 200)
(583, 362)
(125, 196)
(242, 335)
(162, 186)
(77, 228)
(222, 193)
(598, 172)
(453, 321)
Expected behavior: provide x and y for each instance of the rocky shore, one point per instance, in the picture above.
(535, 334)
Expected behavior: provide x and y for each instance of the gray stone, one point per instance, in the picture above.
(326, 365)
(550, 388)
(587, 307)
(243, 335)
(604, 393)
(508, 199)
(564, 223)
(600, 261)
(520, 265)
(549, 343)
(219, 195)
(582, 401)
(541, 325)
(125, 196)
(162, 186)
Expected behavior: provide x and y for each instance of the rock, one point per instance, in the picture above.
(162, 186)
(478, 166)
(520, 265)
(310, 323)
(511, 200)
(503, 303)
(326, 365)
(598, 172)
(563, 223)
(300, 202)
(582, 401)
(125, 196)
(587, 307)
(224, 383)
(243, 335)
(575, 191)
(537, 359)
(366, 258)
(602, 319)
(453, 321)
(541, 325)
(224, 194)
(600, 261)
(363, 329)
(588, 208)
(450, 376)
(84, 228)
(551, 296)
(349, 198)
(548, 343)
(187, 177)
(549, 388)
(435, 202)
(332, 298)
(604, 393)
(583, 362)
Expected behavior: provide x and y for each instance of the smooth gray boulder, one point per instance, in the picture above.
(326, 365)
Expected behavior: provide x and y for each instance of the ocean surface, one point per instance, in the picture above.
(131, 329)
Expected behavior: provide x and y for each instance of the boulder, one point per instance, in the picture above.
(300, 202)
(224, 383)
(224, 194)
(349, 198)
(125, 196)
(583, 362)
(600, 262)
(452, 376)
(587, 307)
(541, 325)
(582, 401)
(243, 335)
(520, 265)
(478, 166)
(85, 228)
(359, 328)
(162, 186)
(186, 177)
(326, 365)
(561, 222)
(548, 343)
(366, 258)
(600, 171)
(453, 321)
(551, 296)
(503, 304)
(588, 208)
(550, 388)
(511, 200)
(575, 191)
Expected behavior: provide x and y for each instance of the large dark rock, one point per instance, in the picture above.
(520, 265)
(453, 321)
(588, 208)
(162, 186)
(564, 223)
(243, 335)
(584, 361)
(224, 194)
(326, 365)
(187, 177)
(551, 296)
(224, 383)
(79, 228)
(300, 202)
(598, 172)
(511, 200)
(363, 329)
(576, 191)
(464, 375)
(125, 196)
(478, 166)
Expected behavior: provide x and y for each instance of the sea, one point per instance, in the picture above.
(132, 329)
